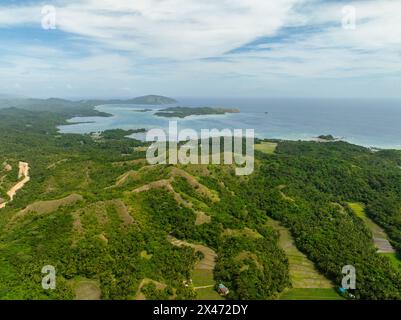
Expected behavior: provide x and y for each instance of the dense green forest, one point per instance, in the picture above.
(116, 227)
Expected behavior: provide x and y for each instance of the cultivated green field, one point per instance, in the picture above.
(307, 283)
(303, 273)
(311, 294)
(208, 294)
(394, 258)
(380, 238)
(266, 147)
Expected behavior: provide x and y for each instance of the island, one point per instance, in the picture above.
(152, 100)
(142, 110)
(327, 137)
(183, 112)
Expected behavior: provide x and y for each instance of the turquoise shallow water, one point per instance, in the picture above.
(375, 123)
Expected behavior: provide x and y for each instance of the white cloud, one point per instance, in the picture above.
(144, 43)
(179, 29)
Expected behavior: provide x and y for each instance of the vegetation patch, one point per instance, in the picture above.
(150, 289)
(266, 147)
(44, 207)
(202, 218)
(303, 273)
(380, 237)
(242, 232)
(85, 289)
(310, 294)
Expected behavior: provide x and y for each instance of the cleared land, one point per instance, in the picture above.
(52, 205)
(310, 294)
(44, 207)
(202, 218)
(380, 238)
(140, 295)
(122, 211)
(86, 290)
(23, 172)
(394, 258)
(266, 147)
(167, 184)
(242, 232)
(202, 275)
(307, 282)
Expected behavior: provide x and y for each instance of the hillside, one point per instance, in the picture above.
(117, 228)
(183, 112)
(152, 100)
(76, 108)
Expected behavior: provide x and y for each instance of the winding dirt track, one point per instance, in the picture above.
(23, 172)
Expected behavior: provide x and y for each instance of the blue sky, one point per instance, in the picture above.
(225, 48)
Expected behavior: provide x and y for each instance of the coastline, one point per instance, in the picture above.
(114, 117)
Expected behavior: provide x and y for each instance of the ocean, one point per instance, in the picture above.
(370, 123)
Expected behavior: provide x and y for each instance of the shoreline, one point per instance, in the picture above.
(283, 137)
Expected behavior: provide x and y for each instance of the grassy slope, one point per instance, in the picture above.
(378, 233)
(307, 282)
(266, 147)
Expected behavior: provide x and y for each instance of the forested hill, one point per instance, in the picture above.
(77, 108)
(115, 227)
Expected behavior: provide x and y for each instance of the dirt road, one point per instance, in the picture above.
(23, 172)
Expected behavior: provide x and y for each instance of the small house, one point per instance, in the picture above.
(223, 290)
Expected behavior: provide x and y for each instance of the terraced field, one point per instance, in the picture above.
(202, 275)
(307, 282)
(310, 294)
(380, 238)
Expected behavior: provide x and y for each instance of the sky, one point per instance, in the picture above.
(201, 48)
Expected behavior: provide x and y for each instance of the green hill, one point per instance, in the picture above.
(115, 227)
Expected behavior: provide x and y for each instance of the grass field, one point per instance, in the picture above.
(394, 258)
(208, 294)
(43, 207)
(380, 238)
(307, 282)
(86, 289)
(204, 284)
(311, 294)
(266, 147)
(303, 273)
(358, 209)
(202, 275)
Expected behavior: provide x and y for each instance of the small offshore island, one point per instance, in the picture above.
(143, 110)
(183, 112)
(326, 138)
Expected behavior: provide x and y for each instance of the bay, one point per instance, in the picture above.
(371, 123)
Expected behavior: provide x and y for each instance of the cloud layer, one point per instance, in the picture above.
(201, 48)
